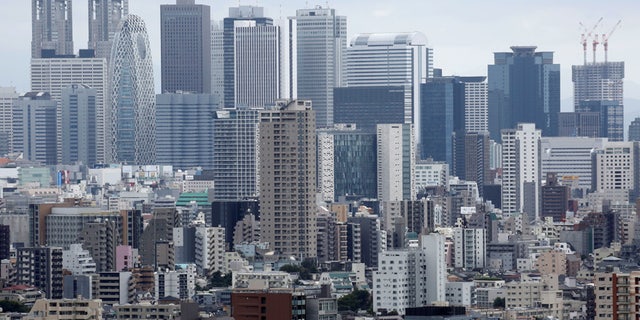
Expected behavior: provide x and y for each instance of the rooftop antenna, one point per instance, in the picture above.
(605, 40)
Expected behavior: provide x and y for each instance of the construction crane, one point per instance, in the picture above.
(585, 37)
(605, 39)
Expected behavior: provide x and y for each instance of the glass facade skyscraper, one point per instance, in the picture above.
(524, 87)
(368, 106)
(442, 115)
(34, 127)
(132, 104)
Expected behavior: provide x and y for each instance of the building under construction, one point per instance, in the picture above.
(598, 87)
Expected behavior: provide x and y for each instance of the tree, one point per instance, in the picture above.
(499, 303)
(219, 280)
(356, 300)
(305, 273)
(13, 306)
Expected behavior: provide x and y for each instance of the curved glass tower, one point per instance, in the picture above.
(132, 98)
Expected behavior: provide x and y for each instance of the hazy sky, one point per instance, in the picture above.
(464, 34)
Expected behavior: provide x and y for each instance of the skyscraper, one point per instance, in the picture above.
(610, 114)
(51, 27)
(34, 127)
(442, 115)
(288, 179)
(600, 81)
(52, 75)
(476, 104)
(471, 158)
(79, 125)
(184, 130)
(369, 106)
(524, 87)
(104, 18)
(634, 130)
(132, 104)
(521, 170)
(256, 64)
(186, 47)
(321, 44)
(7, 97)
(235, 160)
(250, 61)
(396, 162)
(390, 59)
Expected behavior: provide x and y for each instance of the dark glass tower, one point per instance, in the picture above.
(524, 87)
(442, 114)
(186, 47)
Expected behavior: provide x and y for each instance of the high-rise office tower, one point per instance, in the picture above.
(132, 103)
(8, 95)
(524, 87)
(616, 168)
(442, 115)
(51, 27)
(34, 127)
(396, 162)
(247, 57)
(570, 159)
(634, 130)
(79, 124)
(235, 160)
(347, 163)
(521, 170)
(104, 18)
(256, 63)
(579, 124)
(321, 37)
(288, 179)
(390, 59)
(611, 115)
(54, 74)
(476, 104)
(217, 61)
(185, 29)
(369, 106)
(184, 130)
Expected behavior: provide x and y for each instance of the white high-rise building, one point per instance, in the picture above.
(396, 162)
(8, 95)
(179, 284)
(321, 42)
(521, 170)
(476, 104)
(326, 174)
(390, 59)
(132, 101)
(256, 63)
(53, 75)
(236, 157)
(570, 158)
(411, 277)
(78, 260)
(616, 167)
(210, 244)
(470, 248)
(217, 60)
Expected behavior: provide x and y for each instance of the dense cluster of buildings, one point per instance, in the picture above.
(284, 172)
